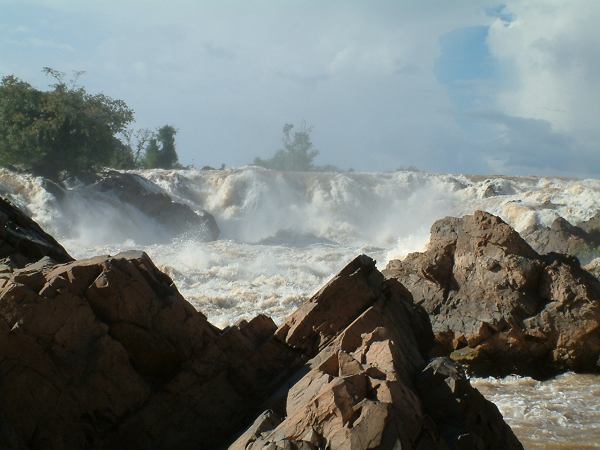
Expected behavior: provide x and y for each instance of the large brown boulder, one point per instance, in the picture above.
(367, 385)
(104, 353)
(563, 237)
(497, 305)
(22, 241)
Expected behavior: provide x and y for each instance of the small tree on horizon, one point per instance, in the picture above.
(298, 152)
(160, 151)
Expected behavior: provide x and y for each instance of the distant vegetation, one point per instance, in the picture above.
(297, 153)
(67, 130)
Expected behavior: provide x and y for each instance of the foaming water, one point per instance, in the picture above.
(229, 280)
(283, 235)
(561, 413)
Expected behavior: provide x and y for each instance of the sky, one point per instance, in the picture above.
(446, 86)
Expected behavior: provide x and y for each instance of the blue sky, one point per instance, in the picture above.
(462, 86)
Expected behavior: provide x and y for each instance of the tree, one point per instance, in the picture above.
(160, 152)
(168, 155)
(64, 129)
(137, 142)
(297, 153)
(151, 160)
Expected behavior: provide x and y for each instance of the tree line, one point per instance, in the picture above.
(66, 130)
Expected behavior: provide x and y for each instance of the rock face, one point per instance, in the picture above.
(592, 227)
(563, 237)
(104, 353)
(498, 306)
(22, 241)
(151, 200)
(593, 267)
(365, 385)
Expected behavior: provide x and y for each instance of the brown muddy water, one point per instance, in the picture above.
(561, 413)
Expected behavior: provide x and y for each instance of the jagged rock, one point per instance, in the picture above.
(498, 306)
(364, 386)
(104, 353)
(593, 267)
(563, 237)
(22, 241)
(153, 201)
(592, 227)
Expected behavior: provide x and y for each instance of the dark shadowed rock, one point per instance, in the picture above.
(498, 306)
(105, 353)
(154, 202)
(592, 227)
(563, 237)
(22, 241)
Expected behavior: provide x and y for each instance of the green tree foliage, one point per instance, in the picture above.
(298, 152)
(151, 160)
(63, 129)
(160, 152)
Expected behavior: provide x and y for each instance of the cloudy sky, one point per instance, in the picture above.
(447, 86)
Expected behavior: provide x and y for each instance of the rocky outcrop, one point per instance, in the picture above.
(592, 227)
(154, 202)
(499, 307)
(104, 353)
(22, 241)
(563, 237)
(366, 384)
(593, 267)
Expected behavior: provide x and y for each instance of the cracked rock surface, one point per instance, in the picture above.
(104, 353)
(498, 306)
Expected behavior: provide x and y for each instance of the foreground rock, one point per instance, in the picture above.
(562, 237)
(104, 353)
(22, 241)
(154, 202)
(366, 385)
(497, 305)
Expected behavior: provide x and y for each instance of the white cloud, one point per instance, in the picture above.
(552, 53)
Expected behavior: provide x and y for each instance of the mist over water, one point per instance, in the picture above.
(284, 234)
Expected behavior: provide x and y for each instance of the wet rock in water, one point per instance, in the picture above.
(154, 202)
(104, 353)
(563, 237)
(22, 241)
(592, 227)
(498, 306)
(365, 385)
(593, 267)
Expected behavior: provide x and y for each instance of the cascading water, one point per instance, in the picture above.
(284, 234)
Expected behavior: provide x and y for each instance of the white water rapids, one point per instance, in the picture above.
(283, 235)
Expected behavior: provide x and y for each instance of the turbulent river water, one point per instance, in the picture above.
(283, 235)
